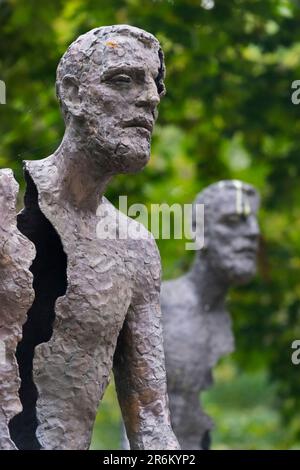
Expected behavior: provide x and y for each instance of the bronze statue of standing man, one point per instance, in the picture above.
(96, 304)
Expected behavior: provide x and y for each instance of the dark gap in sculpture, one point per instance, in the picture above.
(49, 270)
(161, 73)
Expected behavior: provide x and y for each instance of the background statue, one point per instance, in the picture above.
(196, 324)
(96, 297)
(16, 295)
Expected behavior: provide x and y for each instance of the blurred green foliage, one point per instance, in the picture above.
(246, 411)
(228, 114)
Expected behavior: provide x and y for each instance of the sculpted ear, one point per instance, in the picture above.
(70, 95)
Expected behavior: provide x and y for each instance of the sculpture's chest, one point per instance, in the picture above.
(193, 335)
(194, 342)
(206, 335)
(98, 284)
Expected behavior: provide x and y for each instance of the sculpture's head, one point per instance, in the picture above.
(231, 229)
(109, 84)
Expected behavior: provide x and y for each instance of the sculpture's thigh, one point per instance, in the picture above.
(70, 385)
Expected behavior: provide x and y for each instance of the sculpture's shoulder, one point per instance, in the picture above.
(127, 229)
(41, 173)
(140, 251)
(15, 248)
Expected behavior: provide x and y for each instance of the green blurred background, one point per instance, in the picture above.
(228, 114)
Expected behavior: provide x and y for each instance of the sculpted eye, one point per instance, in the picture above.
(122, 78)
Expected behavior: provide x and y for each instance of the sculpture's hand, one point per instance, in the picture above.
(139, 369)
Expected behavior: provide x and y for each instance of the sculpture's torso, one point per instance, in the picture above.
(194, 341)
(71, 369)
(88, 320)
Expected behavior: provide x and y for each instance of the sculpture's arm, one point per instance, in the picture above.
(139, 369)
(141, 381)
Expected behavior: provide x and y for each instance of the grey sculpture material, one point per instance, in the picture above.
(196, 324)
(16, 295)
(96, 301)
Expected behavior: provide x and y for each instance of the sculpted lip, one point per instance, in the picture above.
(140, 122)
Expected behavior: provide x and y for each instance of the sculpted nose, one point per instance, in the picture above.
(149, 97)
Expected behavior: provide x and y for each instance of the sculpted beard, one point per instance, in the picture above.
(117, 149)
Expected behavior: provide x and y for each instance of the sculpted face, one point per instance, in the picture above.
(116, 100)
(233, 235)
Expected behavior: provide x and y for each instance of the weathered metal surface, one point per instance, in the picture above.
(16, 296)
(196, 324)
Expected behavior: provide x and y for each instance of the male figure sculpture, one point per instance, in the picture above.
(196, 324)
(16, 295)
(96, 299)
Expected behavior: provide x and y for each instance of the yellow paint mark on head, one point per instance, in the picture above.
(112, 44)
(239, 196)
(247, 207)
(242, 203)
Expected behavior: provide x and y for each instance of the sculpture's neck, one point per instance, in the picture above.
(81, 179)
(209, 288)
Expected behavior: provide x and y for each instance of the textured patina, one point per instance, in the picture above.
(16, 296)
(97, 295)
(196, 324)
